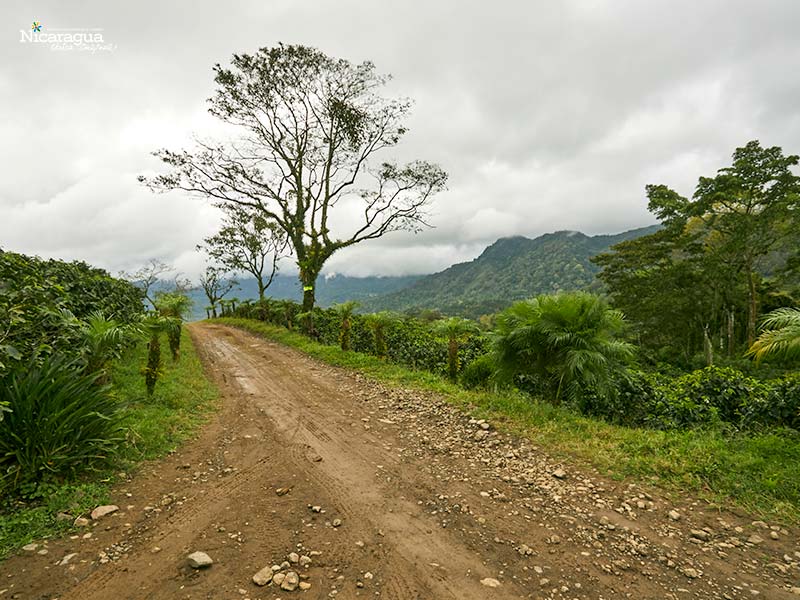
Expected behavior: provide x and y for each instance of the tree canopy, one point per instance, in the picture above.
(311, 126)
(702, 280)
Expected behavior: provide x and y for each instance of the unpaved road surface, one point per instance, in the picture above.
(391, 494)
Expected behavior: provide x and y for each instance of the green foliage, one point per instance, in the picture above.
(705, 398)
(631, 405)
(103, 340)
(479, 373)
(567, 341)
(34, 295)
(407, 341)
(454, 329)
(378, 323)
(699, 283)
(782, 335)
(61, 422)
(152, 427)
(173, 304)
(345, 312)
(778, 407)
(177, 306)
(153, 326)
(713, 397)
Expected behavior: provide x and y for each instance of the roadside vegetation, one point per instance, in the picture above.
(78, 414)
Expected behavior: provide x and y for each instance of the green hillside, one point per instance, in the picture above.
(510, 269)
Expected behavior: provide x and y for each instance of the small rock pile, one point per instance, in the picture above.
(286, 575)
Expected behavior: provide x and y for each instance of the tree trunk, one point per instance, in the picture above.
(708, 348)
(261, 289)
(752, 308)
(731, 338)
(452, 358)
(153, 364)
(308, 278)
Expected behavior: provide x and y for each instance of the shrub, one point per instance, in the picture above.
(456, 331)
(41, 300)
(478, 373)
(568, 341)
(778, 407)
(723, 390)
(60, 422)
(633, 402)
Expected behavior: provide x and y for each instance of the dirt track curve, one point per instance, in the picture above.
(392, 494)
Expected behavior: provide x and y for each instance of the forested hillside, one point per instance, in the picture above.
(510, 269)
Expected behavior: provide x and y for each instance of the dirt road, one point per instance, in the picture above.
(390, 494)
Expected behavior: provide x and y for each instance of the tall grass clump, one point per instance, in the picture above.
(60, 422)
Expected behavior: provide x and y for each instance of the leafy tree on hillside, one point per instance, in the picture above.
(311, 127)
(250, 243)
(748, 210)
(671, 295)
(567, 342)
(701, 276)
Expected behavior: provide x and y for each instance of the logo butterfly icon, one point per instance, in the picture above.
(36, 27)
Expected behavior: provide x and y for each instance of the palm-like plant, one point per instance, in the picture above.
(103, 340)
(567, 341)
(781, 337)
(378, 322)
(456, 330)
(345, 312)
(174, 305)
(153, 325)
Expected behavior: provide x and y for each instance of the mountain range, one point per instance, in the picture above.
(510, 269)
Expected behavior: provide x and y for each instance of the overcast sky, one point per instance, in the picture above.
(547, 115)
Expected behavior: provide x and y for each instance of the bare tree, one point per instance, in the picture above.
(147, 276)
(311, 126)
(216, 285)
(248, 242)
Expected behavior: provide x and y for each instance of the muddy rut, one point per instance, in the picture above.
(392, 494)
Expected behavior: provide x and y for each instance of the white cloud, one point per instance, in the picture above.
(547, 115)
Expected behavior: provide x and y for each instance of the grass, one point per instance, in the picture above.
(755, 472)
(183, 400)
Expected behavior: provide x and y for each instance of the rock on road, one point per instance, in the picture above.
(315, 482)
